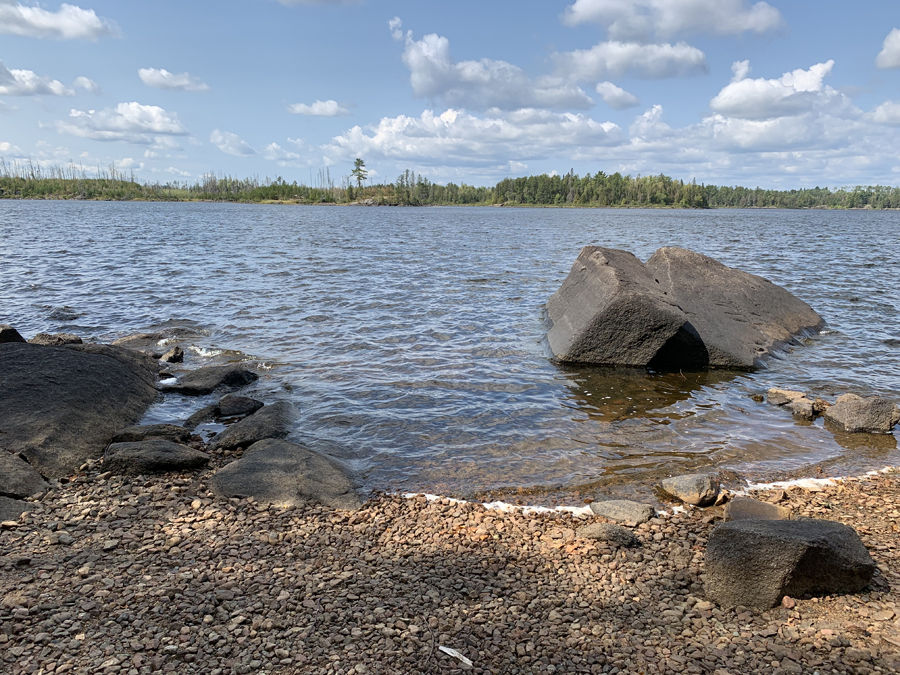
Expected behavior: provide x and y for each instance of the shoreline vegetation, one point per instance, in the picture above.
(410, 189)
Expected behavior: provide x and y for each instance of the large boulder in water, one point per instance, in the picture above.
(873, 415)
(60, 406)
(679, 310)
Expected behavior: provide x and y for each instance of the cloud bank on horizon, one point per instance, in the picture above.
(724, 91)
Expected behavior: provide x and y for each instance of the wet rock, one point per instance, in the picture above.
(11, 509)
(783, 396)
(152, 456)
(56, 340)
(744, 508)
(892, 342)
(798, 403)
(755, 563)
(696, 489)
(272, 421)
(139, 340)
(286, 474)
(681, 309)
(18, 478)
(202, 416)
(233, 405)
(207, 379)
(167, 432)
(623, 511)
(60, 406)
(174, 355)
(9, 334)
(614, 534)
(854, 414)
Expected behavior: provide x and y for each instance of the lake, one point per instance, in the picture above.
(412, 339)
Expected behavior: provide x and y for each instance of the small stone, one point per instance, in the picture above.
(697, 489)
(174, 355)
(788, 602)
(623, 511)
(110, 544)
(615, 534)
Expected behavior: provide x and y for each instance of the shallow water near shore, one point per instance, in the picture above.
(411, 339)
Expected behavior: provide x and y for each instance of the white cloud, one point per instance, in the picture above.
(70, 22)
(456, 137)
(129, 163)
(87, 84)
(615, 59)
(178, 172)
(395, 25)
(130, 122)
(794, 93)
(887, 113)
(517, 167)
(160, 78)
(283, 157)
(483, 84)
(7, 148)
(319, 109)
(230, 144)
(616, 97)
(640, 19)
(26, 83)
(889, 56)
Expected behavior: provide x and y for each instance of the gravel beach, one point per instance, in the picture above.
(138, 575)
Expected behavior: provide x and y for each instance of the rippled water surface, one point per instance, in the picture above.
(411, 339)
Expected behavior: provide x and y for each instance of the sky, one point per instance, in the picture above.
(781, 94)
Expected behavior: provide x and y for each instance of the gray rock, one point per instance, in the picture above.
(783, 396)
(803, 408)
(9, 334)
(272, 421)
(174, 355)
(679, 310)
(56, 340)
(166, 432)
(209, 378)
(614, 534)
(623, 511)
(17, 478)
(873, 415)
(755, 563)
(202, 416)
(744, 508)
(697, 489)
(286, 474)
(152, 456)
(60, 406)
(139, 340)
(233, 405)
(11, 509)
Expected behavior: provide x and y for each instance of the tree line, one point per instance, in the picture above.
(30, 181)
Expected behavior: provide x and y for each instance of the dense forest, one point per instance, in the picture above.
(409, 189)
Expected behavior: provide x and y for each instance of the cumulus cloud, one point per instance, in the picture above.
(87, 84)
(160, 78)
(327, 108)
(482, 84)
(178, 172)
(15, 82)
(616, 97)
(887, 113)
(640, 20)
(7, 148)
(889, 56)
(69, 22)
(129, 122)
(794, 93)
(284, 157)
(615, 59)
(230, 144)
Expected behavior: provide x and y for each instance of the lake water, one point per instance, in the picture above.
(411, 339)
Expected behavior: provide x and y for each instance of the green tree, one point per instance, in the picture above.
(359, 172)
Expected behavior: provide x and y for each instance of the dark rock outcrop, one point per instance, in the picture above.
(61, 405)
(272, 421)
(755, 563)
(165, 432)
(9, 334)
(233, 405)
(209, 378)
(623, 511)
(286, 474)
(152, 456)
(18, 478)
(679, 310)
(55, 340)
(205, 414)
(697, 489)
(854, 414)
(11, 509)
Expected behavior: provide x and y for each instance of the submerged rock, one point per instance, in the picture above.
(152, 456)
(623, 511)
(207, 379)
(679, 310)
(854, 414)
(696, 489)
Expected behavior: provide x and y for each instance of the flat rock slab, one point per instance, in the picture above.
(755, 563)
(854, 414)
(272, 421)
(614, 534)
(286, 474)
(166, 432)
(152, 456)
(11, 509)
(744, 508)
(697, 489)
(206, 380)
(623, 511)
(55, 340)
(18, 478)
(60, 406)
(679, 310)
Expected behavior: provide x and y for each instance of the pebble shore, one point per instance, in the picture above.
(140, 575)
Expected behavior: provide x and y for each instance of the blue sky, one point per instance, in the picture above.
(779, 94)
